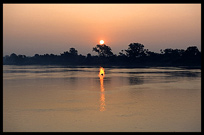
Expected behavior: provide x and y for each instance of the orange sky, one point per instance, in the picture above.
(54, 28)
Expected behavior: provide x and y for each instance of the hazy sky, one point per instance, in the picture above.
(54, 28)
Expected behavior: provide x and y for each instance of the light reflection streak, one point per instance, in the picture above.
(102, 98)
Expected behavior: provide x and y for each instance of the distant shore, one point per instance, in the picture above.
(134, 57)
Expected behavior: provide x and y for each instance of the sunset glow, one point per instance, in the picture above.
(52, 28)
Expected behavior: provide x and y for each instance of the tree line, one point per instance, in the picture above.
(134, 55)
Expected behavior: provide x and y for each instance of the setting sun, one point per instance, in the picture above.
(101, 42)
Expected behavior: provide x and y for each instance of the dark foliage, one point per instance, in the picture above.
(103, 50)
(134, 56)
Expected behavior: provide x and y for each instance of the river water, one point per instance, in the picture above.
(65, 99)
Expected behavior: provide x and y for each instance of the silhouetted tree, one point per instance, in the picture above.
(135, 55)
(192, 56)
(135, 50)
(66, 53)
(103, 50)
(122, 54)
(73, 51)
(36, 55)
(13, 55)
(88, 55)
(173, 52)
(13, 58)
(192, 51)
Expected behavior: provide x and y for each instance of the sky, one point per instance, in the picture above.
(31, 29)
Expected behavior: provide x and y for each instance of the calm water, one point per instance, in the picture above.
(63, 99)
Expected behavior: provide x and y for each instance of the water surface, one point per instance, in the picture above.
(64, 99)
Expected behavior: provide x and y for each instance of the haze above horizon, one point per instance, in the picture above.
(54, 28)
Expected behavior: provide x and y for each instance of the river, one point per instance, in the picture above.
(66, 99)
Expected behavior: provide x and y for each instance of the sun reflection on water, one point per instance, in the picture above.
(102, 98)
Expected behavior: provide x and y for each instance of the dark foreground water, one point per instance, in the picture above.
(62, 99)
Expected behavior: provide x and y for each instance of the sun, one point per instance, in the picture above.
(101, 42)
